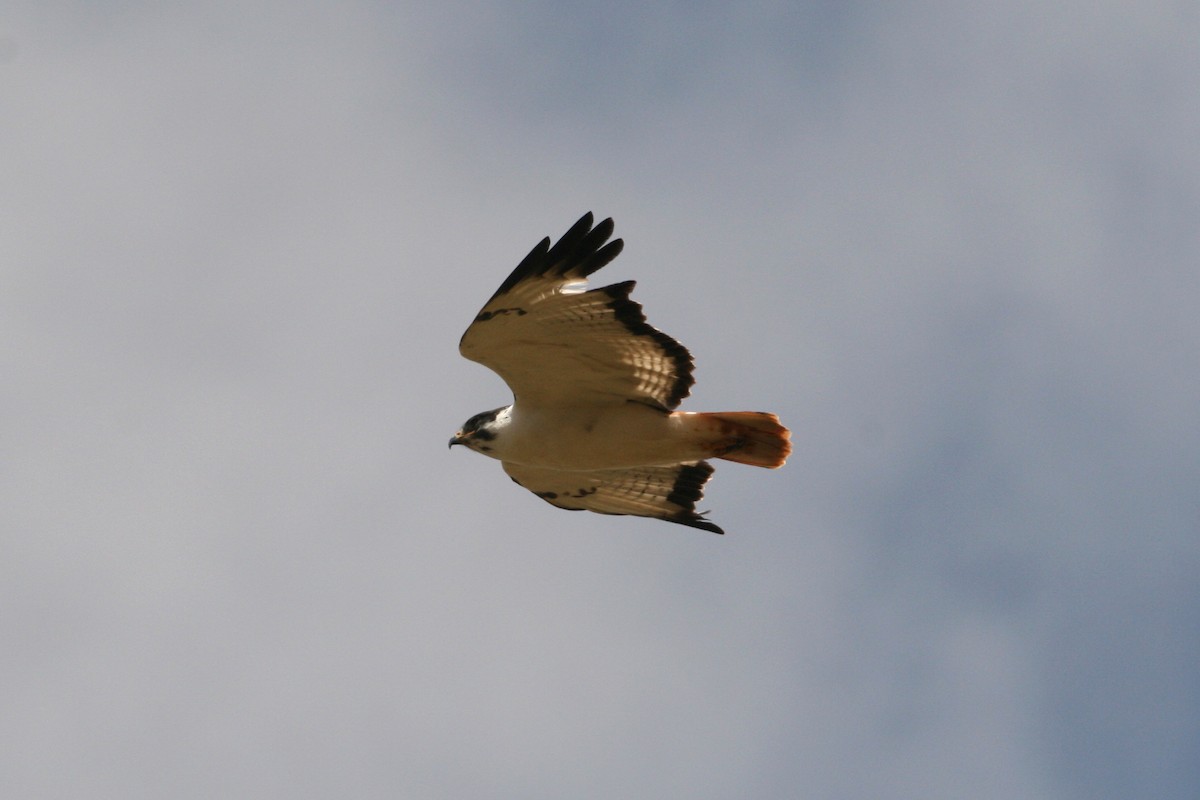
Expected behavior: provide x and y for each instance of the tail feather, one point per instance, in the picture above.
(749, 437)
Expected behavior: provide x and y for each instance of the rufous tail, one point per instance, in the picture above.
(749, 437)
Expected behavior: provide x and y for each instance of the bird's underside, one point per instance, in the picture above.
(593, 425)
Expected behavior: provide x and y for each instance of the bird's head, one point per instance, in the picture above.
(480, 431)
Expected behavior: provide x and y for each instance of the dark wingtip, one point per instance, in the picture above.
(578, 253)
(701, 523)
(687, 491)
(581, 250)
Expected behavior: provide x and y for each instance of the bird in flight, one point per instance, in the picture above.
(592, 425)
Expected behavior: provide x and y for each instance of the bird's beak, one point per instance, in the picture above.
(457, 439)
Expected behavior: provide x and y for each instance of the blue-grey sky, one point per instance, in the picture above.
(955, 245)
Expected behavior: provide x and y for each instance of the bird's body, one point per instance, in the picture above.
(609, 436)
(594, 436)
(591, 425)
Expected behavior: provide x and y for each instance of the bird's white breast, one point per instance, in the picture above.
(610, 436)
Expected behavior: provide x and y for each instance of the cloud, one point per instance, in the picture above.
(953, 246)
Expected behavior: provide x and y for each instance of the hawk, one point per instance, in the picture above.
(592, 425)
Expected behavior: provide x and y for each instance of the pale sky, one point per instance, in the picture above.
(954, 245)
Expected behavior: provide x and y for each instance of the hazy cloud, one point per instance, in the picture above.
(954, 246)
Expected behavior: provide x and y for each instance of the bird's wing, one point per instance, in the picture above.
(668, 493)
(553, 342)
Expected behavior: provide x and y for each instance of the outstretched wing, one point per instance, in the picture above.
(668, 493)
(553, 342)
